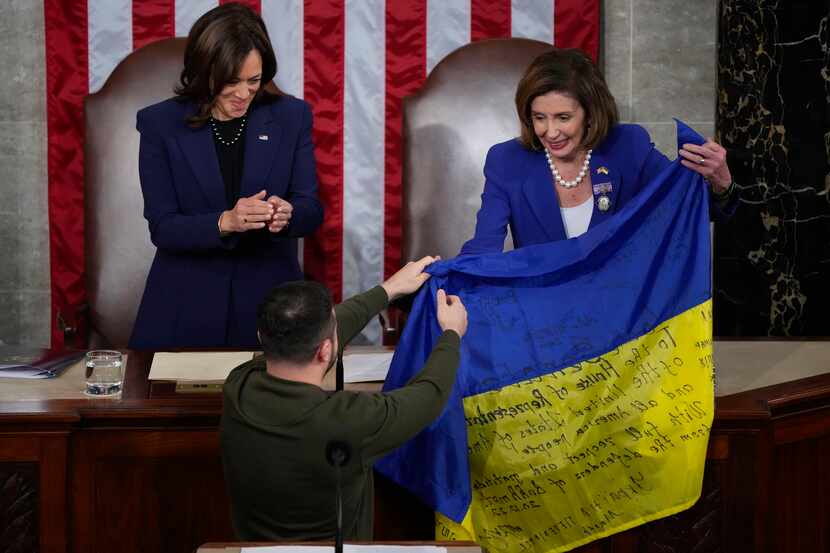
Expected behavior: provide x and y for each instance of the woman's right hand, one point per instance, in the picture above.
(249, 213)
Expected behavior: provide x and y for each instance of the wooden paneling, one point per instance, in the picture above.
(33, 487)
(743, 503)
(399, 513)
(170, 480)
(145, 475)
(19, 495)
(54, 505)
(697, 529)
(801, 486)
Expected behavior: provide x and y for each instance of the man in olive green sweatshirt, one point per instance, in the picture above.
(277, 420)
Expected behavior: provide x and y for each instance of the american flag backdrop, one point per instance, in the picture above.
(352, 60)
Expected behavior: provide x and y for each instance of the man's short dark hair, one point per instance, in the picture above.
(293, 319)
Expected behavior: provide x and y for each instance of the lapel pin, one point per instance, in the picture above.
(601, 191)
(263, 137)
(602, 170)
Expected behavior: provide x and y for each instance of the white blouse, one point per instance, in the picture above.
(577, 218)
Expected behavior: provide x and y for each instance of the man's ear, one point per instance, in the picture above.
(325, 351)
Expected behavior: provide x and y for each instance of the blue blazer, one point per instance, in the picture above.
(518, 189)
(203, 289)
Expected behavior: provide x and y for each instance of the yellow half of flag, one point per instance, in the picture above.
(599, 447)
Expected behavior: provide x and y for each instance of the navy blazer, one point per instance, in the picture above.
(203, 289)
(518, 190)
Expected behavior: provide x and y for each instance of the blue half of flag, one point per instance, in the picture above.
(542, 308)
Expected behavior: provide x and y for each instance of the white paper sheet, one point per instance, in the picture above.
(366, 367)
(347, 548)
(289, 549)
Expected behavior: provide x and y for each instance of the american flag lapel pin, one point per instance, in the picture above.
(263, 137)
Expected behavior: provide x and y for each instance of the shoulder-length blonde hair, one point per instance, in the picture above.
(217, 46)
(568, 71)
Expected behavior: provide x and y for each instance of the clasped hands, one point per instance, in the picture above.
(255, 212)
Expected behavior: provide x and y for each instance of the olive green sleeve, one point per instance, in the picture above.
(394, 417)
(356, 312)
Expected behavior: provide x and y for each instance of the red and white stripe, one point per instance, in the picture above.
(352, 60)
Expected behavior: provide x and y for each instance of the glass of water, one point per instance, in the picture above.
(103, 372)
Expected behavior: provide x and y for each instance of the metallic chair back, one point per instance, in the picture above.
(466, 106)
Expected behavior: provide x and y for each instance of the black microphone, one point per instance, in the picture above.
(338, 454)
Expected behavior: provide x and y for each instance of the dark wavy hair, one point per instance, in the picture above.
(569, 71)
(294, 319)
(216, 48)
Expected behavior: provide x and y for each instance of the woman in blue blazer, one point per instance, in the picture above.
(229, 181)
(574, 165)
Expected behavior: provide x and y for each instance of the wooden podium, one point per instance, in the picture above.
(143, 473)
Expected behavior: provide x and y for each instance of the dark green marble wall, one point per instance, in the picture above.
(772, 260)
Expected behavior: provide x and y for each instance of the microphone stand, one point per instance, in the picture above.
(338, 372)
(337, 454)
(338, 535)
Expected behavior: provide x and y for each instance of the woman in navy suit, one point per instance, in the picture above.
(574, 165)
(229, 181)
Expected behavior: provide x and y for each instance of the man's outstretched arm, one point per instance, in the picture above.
(392, 418)
(356, 312)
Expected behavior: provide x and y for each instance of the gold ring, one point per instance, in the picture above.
(701, 160)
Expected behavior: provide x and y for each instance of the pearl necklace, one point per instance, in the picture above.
(233, 140)
(569, 183)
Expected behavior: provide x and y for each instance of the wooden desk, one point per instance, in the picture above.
(150, 468)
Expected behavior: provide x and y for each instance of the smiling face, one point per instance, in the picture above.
(236, 96)
(559, 122)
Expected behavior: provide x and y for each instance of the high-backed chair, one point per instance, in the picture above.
(118, 248)
(465, 107)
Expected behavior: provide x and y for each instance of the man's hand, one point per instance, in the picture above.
(249, 213)
(409, 278)
(452, 315)
(282, 213)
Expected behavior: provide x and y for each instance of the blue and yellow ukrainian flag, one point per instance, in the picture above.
(584, 399)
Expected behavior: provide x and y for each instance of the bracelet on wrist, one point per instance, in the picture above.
(726, 193)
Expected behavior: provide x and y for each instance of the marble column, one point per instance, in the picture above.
(24, 224)
(772, 260)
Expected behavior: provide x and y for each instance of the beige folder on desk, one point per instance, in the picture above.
(203, 366)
